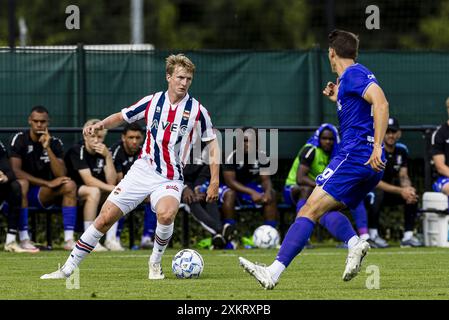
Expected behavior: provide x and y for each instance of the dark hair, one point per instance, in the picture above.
(345, 44)
(132, 127)
(39, 109)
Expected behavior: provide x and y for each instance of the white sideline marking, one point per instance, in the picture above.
(248, 253)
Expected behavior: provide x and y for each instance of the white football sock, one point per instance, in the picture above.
(87, 224)
(364, 236)
(407, 235)
(353, 241)
(68, 235)
(373, 233)
(276, 269)
(162, 237)
(10, 237)
(23, 235)
(84, 245)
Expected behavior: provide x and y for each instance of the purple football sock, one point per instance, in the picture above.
(69, 217)
(23, 219)
(120, 225)
(338, 225)
(296, 238)
(360, 218)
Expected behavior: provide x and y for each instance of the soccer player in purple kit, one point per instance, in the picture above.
(362, 111)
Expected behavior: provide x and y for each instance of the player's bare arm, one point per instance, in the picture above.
(267, 187)
(16, 164)
(376, 97)
(112, 121)
(90, 180)
(109, 168)
(3, 177)
(404, 178)
(302, 178)
(214, 165)
(231, 181)
(57, 165)
(440, 164)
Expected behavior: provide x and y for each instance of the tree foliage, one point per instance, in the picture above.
(235, 24)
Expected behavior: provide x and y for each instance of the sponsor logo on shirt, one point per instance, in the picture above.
(186, 115)
(371, 76)
(117, 191)
(172, 187)
(99, 166)
(30, 148)
(339, 105)
(44, 157)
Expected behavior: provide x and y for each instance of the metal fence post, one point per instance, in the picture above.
(81, 84)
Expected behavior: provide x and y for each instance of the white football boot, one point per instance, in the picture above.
(354, 259)
(155, 271)
(259, 272)
(58, 274)
(113, 245)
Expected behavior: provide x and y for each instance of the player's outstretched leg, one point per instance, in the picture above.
(109, 214)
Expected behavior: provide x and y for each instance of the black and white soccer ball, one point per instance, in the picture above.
(266, 237)
(187, 264)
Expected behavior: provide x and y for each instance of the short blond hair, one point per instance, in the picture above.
(91, 122)
(181, 60)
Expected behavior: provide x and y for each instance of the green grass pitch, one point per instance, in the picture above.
(315, 274)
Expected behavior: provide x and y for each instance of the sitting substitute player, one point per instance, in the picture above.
(11, 193)
(311, 161)
(124, 153)
(440, 155)
(362, 111)
(172, 118)
(90, 165)
(196, 180)
(243, 183)
(37, 160)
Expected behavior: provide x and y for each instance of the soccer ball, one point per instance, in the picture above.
(266, 237)
(187, 264)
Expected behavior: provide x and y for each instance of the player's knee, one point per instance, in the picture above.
(69, 188)
(94, 194)
(229, 197)
(166, 215)
(307, 211)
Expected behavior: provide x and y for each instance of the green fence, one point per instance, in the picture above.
(264, 88)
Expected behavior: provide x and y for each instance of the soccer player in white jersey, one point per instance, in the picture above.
(172, 118)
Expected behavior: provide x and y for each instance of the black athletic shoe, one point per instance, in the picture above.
(218, 242)
(229, 232)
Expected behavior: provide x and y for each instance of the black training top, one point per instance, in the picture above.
(122, 160)
(77, 158)
(440, 142)
(395, 161)
(35, 159)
